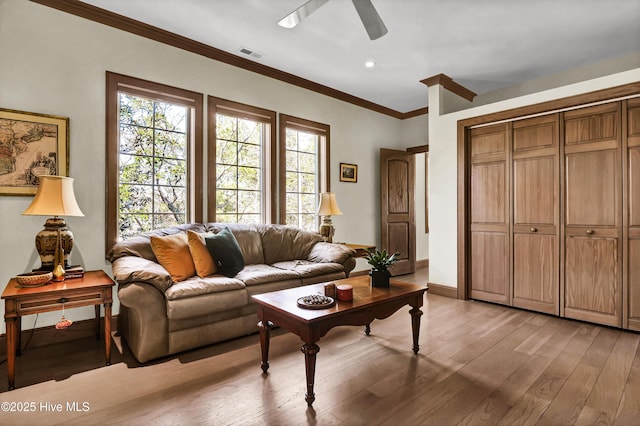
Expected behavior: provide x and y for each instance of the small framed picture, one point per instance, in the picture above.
(348, 172)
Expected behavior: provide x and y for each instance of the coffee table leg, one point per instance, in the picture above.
(367, 329)
(265, 335)
(416, 313)
(310, 351)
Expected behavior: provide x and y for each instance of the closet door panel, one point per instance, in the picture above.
(535, 272)
(592, 281)
(488, 186)
(489, 266)
(632, 225)
(633, 292)
(535, 184)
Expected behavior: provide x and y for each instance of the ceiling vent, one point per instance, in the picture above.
(250, 52)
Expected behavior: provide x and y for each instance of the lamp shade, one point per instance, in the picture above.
(328, 205)
(54, 197)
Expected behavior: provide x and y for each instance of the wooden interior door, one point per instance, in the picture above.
(397, 205)
(593, 213)
(536, 186)
(632, 216)
(489, 215)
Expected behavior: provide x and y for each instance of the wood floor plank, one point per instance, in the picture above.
(629, 410)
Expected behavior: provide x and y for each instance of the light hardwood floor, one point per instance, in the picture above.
(478, 364)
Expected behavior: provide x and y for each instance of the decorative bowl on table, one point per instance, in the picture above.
(316, 301)
(34, 279)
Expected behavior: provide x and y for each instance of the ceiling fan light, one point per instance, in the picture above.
(288, 21)
(370, 63)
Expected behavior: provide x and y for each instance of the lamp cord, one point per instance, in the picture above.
(26, 345)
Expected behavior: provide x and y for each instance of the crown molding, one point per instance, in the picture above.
(114, 20)
(448, 83)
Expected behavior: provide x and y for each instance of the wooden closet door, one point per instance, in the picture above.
(632, 214)
(593, 216)
(489, 215)
(536, 187)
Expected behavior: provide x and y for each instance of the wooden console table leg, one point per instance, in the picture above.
(310, 351)
(265, 336)
(416, 313)
(97, 308)
(107, 330)
(11, 351)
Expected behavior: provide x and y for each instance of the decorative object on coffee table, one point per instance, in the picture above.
(328, 206)
(55, 198)
(380, 262)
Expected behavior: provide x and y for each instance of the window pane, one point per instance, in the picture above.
(249, 131)
(292, 182)
(170, 200)
(226, 128)
(171, 117)
(307, 163)
(226, 201)
(252, 219)
(226, 152)
(308, 183)
(136, 140)
(292, 161)
(307, 142)
(136, 169)
(227, 218)
(227, 177)
(170, 172)
(165, 220)
(293, 203)
(135, 198)
(308, 203)
(292, 219)
(292, 139)
(249, 202)
(308, 222)
(249, 178)
(249, 155)
(131, 224)
(135, 110)
(171, 144)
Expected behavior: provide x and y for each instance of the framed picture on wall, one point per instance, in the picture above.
(348, 172)
(31, 145)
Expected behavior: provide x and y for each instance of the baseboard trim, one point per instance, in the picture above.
(442, 290)
(424, 263)
(49, 334)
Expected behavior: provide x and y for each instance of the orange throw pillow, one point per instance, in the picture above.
(205, 264)
(172, 252)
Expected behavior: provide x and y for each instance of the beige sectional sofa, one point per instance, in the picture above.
(159, 317)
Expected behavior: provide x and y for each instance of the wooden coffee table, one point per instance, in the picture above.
(280, 308)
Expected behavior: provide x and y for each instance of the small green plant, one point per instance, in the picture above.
(381, 260)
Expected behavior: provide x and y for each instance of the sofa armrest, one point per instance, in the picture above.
(329, 252)
(130, 269)
(146, 328)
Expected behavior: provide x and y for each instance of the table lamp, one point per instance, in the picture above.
(55, 198)
(328, 206)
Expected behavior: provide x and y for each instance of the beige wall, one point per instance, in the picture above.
(54, 63)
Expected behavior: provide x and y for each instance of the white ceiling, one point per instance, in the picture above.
(482, 44)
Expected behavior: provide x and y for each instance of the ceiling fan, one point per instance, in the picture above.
(368, 15)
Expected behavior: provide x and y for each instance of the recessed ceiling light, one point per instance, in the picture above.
(370, 63)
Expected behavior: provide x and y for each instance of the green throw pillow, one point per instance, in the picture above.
(224, 248)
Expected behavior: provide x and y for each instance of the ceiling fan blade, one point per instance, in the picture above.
(294, 18)
(370, 19)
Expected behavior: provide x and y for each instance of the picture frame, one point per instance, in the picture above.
(31, 145)
(348, 172)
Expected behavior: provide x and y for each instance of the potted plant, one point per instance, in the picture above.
(380, 261)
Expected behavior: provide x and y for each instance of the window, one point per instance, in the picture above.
(154, 135)
(242, 159)
(304, 170)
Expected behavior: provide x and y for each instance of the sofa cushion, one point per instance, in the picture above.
(304, 268)
(172, 252)
(282, 243)
(204, 263)
(224, 248)
(204, 296)
(129, 269)
(260, 274)
(196, 286)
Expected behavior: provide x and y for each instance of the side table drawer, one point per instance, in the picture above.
(53, 303)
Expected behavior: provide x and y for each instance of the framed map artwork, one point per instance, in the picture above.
(31, 145)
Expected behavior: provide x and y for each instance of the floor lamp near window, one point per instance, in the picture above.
(328, 207)
(55, 198)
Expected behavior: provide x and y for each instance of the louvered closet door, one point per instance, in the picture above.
(489, 215)
(632, 209)
(536, 184)
(593, 216)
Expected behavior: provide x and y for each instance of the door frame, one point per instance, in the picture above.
(464, 184)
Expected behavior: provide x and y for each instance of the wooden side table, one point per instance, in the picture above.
(94, 288)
